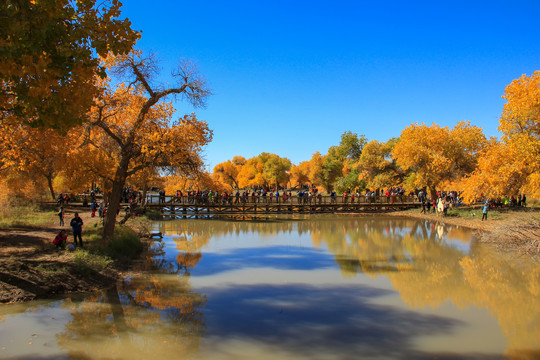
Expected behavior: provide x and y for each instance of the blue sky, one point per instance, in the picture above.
(289, 77)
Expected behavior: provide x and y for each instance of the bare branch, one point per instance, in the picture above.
(138, 70)
(100, 122)
(196, 90)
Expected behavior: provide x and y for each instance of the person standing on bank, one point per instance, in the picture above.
(424, 205)
(61, 215)
(76, 225)
(485, 211)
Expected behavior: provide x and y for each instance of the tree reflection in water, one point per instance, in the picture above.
(427, 262)
(132, 318)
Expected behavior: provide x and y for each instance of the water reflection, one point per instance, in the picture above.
(428, 263)
(510, 291)
(316, 287)
(366, 245)
(142, 311)
(317, 322)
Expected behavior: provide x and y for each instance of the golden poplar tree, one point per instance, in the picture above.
(135, 128)
(37, 153)
(512, 165)
(436, 155)
(49, 55)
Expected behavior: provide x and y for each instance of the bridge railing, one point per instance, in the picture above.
(272, 199)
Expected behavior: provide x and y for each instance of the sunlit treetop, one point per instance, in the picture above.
(438, 154)
(521, 113)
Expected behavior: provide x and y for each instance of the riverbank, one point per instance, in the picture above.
(514, 231)
(31, 267)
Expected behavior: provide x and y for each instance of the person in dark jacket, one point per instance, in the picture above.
(76, 225)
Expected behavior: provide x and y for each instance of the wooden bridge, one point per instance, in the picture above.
(201, 206)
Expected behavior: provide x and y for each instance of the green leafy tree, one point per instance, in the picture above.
(276, 168)
(336, 167)
(377, 167)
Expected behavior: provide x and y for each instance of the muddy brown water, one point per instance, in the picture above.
(302, 287)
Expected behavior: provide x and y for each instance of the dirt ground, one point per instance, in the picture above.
(506, 218)
(31, 268)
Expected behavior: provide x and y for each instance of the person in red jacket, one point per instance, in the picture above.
(60, 240)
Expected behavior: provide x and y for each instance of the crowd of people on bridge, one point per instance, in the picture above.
(214, 197)
(438, 203)
(264, 195)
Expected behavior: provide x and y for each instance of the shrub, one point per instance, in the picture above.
(125, 244)
(153, 214)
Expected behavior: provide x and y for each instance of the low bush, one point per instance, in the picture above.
(125, 244)
(153, 214)
(51, 271)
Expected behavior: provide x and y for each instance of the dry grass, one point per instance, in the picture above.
(26, 216)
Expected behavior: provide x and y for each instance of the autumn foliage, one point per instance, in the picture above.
(437, 155)
(425, 156)
(65, 125)
(512, 165)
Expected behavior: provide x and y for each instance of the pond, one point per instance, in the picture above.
(303, 287)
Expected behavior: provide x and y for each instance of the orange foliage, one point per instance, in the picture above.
(202, 181)
(227, 172)
(264, 170)
(521, 113)
(299, 174)
(436, 154)
(512, 166)
(39, 154)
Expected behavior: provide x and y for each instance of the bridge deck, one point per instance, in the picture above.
(175, 206)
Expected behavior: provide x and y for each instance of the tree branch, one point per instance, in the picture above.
(100, 122)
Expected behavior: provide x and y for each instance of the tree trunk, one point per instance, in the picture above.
(432, 192)
(117, 311)
(51, 189)
(116, 195)
(145, 191)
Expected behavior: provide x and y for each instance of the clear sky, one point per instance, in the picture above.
(289, 77)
